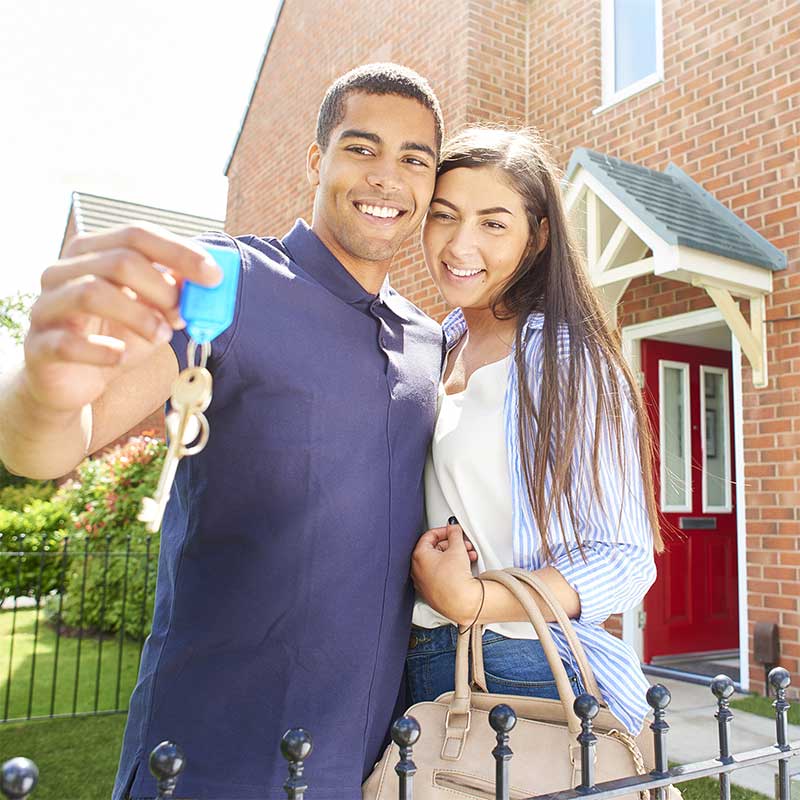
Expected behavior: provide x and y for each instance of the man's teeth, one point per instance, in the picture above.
(462, 273)
(378, 211)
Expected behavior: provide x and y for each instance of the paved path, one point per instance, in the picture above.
(693, 734)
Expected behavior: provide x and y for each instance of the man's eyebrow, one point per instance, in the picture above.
(481, 213)
(423, 148)
(355, 133)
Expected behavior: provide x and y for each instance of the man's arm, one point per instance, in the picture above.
(96, 355)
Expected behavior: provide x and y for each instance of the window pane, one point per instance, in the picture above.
(634, 41)
(716, 445)
(674, 448)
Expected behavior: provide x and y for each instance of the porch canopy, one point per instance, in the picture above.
(637, 221)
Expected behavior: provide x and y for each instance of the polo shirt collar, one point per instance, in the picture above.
(308, 251)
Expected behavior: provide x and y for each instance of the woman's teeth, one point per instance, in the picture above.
(378, 211)
(462, 273)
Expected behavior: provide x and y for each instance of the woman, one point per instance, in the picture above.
(541, 448)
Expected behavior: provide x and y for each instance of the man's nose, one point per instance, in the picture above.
(384, 177)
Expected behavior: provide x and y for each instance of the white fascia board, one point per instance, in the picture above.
(735, 276)
(645, 233)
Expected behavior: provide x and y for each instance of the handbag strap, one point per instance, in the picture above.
(460, 702)
(556, 609)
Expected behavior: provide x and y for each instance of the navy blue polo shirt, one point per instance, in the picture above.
(283, 596)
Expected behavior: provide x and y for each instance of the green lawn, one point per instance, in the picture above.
(107, 693)
(77, 758)
(762, 706)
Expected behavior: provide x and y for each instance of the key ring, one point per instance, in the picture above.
(191, 352)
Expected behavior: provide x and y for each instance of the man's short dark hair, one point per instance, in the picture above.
(376, 79)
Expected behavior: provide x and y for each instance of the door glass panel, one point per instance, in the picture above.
(675, 447)
(716, 455)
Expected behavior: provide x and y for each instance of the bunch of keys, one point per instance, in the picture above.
(207, 312)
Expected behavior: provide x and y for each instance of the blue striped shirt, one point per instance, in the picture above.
(617, 567)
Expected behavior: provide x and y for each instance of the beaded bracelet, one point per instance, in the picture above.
(480, 608)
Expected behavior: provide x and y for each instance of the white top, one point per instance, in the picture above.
(466, 476)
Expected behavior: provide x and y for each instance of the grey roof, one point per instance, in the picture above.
(678, 209)
(94, 213)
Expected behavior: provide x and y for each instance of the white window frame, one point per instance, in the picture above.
(608, 57)
(687, 436)
(728, 506)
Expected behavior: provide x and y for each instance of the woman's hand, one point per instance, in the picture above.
(440, 569)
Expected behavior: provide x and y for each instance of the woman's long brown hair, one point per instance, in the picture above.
(554, 282)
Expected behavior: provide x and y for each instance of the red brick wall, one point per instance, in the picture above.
(726, 113)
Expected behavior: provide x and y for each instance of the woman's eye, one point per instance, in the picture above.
(442, 216)
(495, 226)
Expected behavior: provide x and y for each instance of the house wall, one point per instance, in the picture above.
(727, 113)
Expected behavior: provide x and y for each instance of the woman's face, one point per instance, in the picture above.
(474, 236)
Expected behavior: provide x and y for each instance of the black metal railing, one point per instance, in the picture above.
(72, 627)
(167, 761)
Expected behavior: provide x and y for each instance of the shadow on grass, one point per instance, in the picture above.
(42, 675)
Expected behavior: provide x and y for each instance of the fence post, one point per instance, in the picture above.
(296, 746)
(780, 680)
(19, 778)
(658, 698)
(722, 688)
(502, 719)
(166, 763)
(586, 708)
(405, 732)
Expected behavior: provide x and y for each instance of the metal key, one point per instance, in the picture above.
(191, 395)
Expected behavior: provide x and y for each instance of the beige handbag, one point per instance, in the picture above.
(454, 752)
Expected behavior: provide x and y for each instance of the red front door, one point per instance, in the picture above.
(693, 605)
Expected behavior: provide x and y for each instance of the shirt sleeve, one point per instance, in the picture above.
(616, 567)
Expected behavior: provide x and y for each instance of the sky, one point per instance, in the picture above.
(139, 101)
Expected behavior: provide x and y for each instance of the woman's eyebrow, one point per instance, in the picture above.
(444, 203)
(481, 213)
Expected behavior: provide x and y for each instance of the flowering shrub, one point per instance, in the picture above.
(108, 564)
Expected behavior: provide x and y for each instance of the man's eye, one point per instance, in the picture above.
(360, 149)
(415, 162)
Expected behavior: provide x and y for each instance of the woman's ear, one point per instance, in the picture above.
(544, 235)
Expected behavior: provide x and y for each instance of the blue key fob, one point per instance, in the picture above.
(208, 311)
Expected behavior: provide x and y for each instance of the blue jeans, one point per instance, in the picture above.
(512, 666)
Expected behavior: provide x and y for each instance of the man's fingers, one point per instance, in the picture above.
(97, 297)
(121, 267)
(64, 345)
(183, 258)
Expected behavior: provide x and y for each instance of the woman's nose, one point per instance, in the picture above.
(463, 242)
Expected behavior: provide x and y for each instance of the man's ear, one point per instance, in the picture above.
(313, 158)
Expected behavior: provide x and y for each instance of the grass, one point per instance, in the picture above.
(77, 758)
(708, 789)
(103, 693)
(762, 706)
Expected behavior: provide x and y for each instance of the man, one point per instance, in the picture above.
(283, 596)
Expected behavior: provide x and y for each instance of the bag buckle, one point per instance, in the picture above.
(455, 737)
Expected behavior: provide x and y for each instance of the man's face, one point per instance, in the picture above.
(375, 179)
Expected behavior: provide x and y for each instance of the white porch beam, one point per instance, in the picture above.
(612, 249)
(625, 272)
(593, 233)
(750, 336)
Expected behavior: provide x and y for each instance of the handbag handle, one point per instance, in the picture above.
(565, 623)
(460, 703)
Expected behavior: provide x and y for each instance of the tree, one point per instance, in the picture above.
(15, 312)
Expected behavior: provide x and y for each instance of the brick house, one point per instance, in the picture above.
(677, 123)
